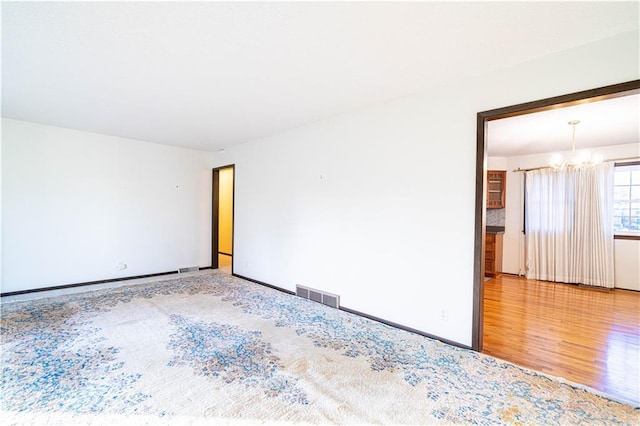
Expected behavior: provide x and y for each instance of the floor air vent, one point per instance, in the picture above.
(188, 269)
(323, 297)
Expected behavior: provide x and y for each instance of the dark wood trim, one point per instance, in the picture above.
(362, 314)
(626, 237)
(89, 283)
(592, 287)
(275, 287)
(626, 289)
(479, 235)
(215, 214)
(233, 216)
(592, 95)
(627, 163)
(402, 327)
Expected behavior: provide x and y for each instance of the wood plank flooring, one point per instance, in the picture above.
(584, 335)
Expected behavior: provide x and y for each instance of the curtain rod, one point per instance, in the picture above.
(548, 167)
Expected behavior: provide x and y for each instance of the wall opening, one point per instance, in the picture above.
(223, 218)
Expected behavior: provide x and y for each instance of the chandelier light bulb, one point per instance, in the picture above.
(556, 161)
(583, 159)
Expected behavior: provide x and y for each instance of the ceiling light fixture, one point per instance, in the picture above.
(583, 159)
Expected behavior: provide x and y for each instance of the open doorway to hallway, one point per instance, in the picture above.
(222, 224)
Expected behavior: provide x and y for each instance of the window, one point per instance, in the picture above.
(626, 199)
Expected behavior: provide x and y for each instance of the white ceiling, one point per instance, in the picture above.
(207, 75)
(602, 123)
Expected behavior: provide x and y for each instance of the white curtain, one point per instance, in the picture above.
(569, 225)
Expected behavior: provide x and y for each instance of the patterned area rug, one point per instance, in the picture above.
(217, 349)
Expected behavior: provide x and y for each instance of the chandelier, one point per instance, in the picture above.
(583, 159)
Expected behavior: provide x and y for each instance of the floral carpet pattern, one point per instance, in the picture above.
(212, 348)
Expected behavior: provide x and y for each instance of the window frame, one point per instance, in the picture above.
(626, 235)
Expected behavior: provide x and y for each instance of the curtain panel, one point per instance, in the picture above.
(569, 225)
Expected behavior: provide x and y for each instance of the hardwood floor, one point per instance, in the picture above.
(584, 335)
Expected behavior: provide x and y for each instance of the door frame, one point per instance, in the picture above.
(592, 95)
(215, 214)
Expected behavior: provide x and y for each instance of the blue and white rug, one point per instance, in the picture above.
(217, 349)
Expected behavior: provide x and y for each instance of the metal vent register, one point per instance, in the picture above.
(323, 297)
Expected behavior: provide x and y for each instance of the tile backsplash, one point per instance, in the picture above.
(495, 217)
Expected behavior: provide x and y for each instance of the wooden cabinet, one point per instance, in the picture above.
(493, 255)
(496, 183)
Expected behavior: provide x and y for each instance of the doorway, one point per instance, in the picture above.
(616, 90)
(223, 218)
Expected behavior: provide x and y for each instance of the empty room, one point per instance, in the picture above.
(320, 213)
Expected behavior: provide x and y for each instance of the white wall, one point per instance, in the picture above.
(377, 205)
(497, 163)
(627, 266)
(627, 272)
(75, 204)
(0, 206)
